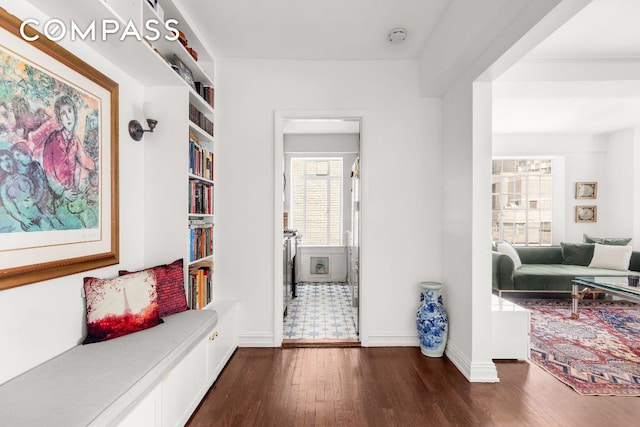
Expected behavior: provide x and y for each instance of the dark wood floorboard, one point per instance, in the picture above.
(393, 386)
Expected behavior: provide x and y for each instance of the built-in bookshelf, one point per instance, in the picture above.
(166, 166)
(201, 205)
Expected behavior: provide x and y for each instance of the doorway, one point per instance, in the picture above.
(320, 231)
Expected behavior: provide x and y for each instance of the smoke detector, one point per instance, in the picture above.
(397, 35)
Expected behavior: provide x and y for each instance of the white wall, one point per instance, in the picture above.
(619, 192)
(577, 158)
(401, 187)
(607, 159)
(337, 256)
(41, 320)
(467, 145)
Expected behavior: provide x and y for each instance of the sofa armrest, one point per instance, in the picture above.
(502, 271)
(634, 264)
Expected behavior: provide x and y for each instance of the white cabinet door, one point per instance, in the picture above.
(222, 341)
(182, 388)
(147, 413)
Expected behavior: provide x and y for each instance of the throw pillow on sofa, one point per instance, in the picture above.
(576, 253)
(611, 257)
(120, 306)
(617, 241)
(510, 251)
(172, 297)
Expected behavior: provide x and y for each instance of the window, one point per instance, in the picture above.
(521, 201)
(316, 199)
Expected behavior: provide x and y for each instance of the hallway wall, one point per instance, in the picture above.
(401, 165)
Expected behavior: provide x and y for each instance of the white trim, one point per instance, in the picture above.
(473, 372)
(278, 158)
(279, 118)
(392, 339)
(258, 340)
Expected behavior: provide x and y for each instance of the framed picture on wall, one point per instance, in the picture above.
(319, 265)
(58, 160)
(586, 190)
(586, 213)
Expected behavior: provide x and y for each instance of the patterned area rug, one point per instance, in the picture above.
(597, 354)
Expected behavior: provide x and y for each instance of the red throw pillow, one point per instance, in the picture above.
(120, 306)
(172, 297)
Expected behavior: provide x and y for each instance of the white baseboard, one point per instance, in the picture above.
(256, 340)
(473, 372)
(390, 339)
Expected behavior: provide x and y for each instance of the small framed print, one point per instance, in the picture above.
(586, 190)
(586, 213)
(320, 265)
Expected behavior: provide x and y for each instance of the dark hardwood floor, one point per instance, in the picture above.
(393, 386)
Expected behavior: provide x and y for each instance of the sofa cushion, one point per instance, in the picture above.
(611, 257)
(577, 253)
(615, 241)
(540, 254)
(508, 250)
(120, 306)
(172, 297)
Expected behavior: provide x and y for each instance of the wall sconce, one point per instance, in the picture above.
(136, 131)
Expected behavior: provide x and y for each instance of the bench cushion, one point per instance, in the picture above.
(93, 384)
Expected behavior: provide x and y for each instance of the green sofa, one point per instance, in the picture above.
(545, 269)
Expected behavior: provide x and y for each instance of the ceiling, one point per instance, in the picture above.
(604, 31)
(358, 29)
(318, 30)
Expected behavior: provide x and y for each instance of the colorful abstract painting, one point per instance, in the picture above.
(49, 151)
(58, 160)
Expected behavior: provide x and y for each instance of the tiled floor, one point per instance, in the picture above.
(321, 310)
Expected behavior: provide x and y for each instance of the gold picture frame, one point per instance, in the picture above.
(59, 214)
(586, 190)
(586, 214)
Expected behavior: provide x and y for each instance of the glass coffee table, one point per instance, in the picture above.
(622, 286)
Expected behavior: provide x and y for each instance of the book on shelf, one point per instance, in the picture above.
(197, 221)
(200, 292)
(200, 241)
(200, 158)
(200, 197)
(206, 92)
(200, 119)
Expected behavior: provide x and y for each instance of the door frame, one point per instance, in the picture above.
(280, 116)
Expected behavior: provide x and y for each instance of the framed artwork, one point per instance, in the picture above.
(319, 265)
(586, 213)
(58, 161)
(586, 190)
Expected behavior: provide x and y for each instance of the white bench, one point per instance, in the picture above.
(101, 384)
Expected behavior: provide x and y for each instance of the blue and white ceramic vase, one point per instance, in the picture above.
(432, 320)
